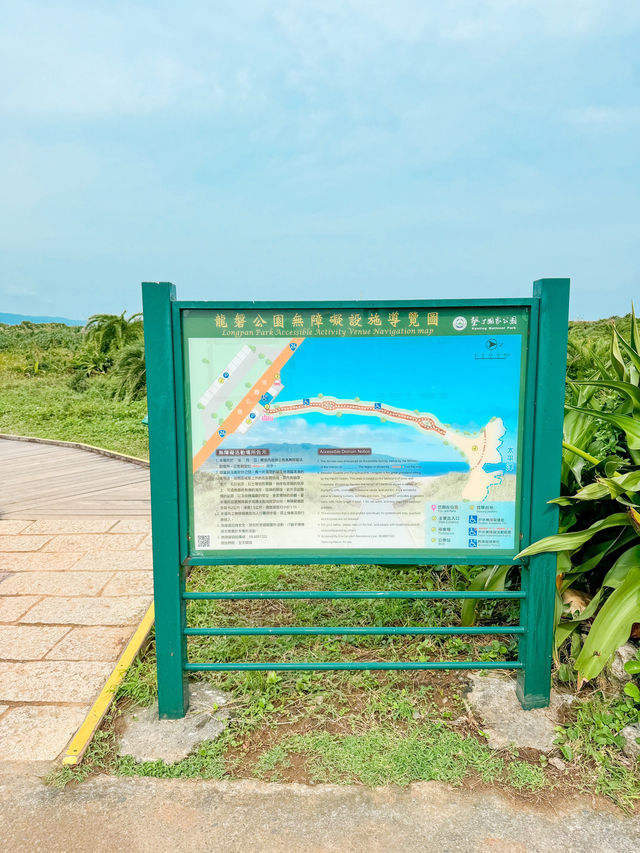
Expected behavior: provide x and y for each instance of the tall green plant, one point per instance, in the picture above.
(598, 545)
(129, 374)
(111, 332)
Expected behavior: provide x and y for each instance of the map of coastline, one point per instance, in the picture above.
(243, 410)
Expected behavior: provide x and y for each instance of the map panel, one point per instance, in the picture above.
(332, 431)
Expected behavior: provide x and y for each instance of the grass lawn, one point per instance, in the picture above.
(50, 407)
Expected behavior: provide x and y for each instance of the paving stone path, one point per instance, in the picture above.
(75, 580)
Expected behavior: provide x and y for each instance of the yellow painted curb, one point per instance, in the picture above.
(82, 738)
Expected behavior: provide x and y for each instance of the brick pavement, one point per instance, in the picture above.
(72, 592)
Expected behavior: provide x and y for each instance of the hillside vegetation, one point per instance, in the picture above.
(75, 384)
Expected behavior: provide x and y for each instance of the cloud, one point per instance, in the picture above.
(100, 60)
(25, 299)
(343, 147)
(17, 290)
(87, 62)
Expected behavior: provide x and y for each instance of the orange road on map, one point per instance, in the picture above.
(248, 402)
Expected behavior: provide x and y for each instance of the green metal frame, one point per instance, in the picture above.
(538, 576)
(539, 458)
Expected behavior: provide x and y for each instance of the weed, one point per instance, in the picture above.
(382, 757)
(270, 760)
(593, 741)
(525, 777)
(99, 757)
(139, 685)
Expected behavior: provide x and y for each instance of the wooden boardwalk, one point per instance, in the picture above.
(49, 481)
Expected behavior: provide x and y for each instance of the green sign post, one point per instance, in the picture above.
(352, 432)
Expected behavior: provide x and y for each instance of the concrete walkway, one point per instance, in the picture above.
(106, 814)
(73, 588)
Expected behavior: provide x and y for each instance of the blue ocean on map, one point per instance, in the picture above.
(460, 380)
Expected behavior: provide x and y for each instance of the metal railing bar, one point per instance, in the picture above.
(336, 594)
(337, 631)
(373, 665)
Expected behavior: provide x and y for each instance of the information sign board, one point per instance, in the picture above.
(340, 429)
(397, 432)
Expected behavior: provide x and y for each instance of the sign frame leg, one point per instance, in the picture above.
(168, 573)
(539, 573)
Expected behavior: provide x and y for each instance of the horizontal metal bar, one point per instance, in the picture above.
(282, 667)
(422, 594)
(359, 558)
(512, 302)
(338, 631)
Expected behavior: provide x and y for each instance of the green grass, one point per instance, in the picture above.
(49, 407)
(44, 394)
(592, 741)
(99, 758)
(524, 776)
(207, 762)
(383, 756)
(372, 728)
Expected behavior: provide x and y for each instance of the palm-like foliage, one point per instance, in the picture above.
(129, 374)
(91, 360)
(599, 544)
(111, 332)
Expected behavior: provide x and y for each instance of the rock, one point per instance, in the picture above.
(148, 738)
(616, 668)
(631, 746)
(558, 763)
(505, 722)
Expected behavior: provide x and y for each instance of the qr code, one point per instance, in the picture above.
(203, 541)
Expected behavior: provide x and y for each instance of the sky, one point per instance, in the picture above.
(319, 149)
